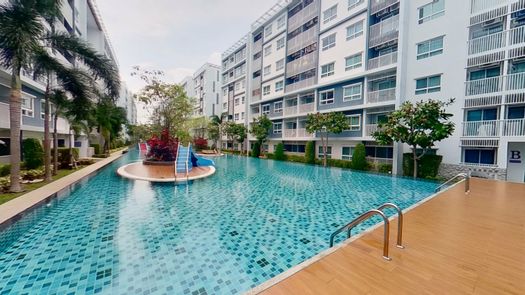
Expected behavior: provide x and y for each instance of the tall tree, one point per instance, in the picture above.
(326, 124)
(23, 36)
(240, 135)
(419, 125)
(61, 105)
(216, 131)
(110, 120)
(261, 129)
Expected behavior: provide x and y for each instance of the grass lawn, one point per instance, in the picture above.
(33, 186)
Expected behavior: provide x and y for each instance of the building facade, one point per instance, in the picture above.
(82, 19)
(206, 94)
(366, 57)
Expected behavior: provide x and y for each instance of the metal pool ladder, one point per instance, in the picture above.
(386, 223)
(465, 176)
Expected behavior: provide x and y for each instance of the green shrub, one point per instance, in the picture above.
(64, 158)
(33, 174)
(96, 147)
(5, 183)
(309, 154)
(339, 163)
(384, 168)
(295, 158)
(359, 157)
(279, 152)
(100, 156)
(428, 165)
(270, 156)
(86, 162)
(33, 153)
(256, 149)
(5, 170)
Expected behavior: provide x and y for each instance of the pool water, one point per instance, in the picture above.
(251, 221)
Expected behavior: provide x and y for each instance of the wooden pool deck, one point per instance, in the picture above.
(455, 244)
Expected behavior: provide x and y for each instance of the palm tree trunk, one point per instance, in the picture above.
(15, 110)
(47, 142)
(71, 157)
(55, 144)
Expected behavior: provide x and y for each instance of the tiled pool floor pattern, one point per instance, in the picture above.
(224, 235)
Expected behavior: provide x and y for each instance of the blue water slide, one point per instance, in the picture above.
(200, 161)
(183, 159)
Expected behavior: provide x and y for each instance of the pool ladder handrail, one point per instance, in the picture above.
(386, 235)
(465, 176)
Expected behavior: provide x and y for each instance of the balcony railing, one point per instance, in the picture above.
(384, 31)
(483, 5)
(514, 127)
(509, 82)
(382, 95)
(483, 86)
(299, 18)
(301, 65)
(256, 95)
(302, 40)
(382, 61)
(378, 5)
(486, 43)
(306, 108)
(292, 110)
(481, 128)
(290, 132)
(301, 84)
(302, 133)
(517, 35)
(370, 129)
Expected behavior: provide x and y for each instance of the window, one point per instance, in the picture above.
(242, 115)
(352, 92)
(278, 107)
(243, 99)
(353, 3)
(236, 117)
(43, 110)
(430, 48)
(516, 113)
(347, 152)
(27, 105)
(431, 11)
(5, 149)
(327, 70)
(354, 122)
(326, 97)
(279, 86)
(281, 21)
(268, 50)
(266, 90)
(330, 14)
(237, 101)
(482, 115)
(328, 42)
(428, 85)
(266, 109)
(237, 86)
(353, 62)
(278, 128)
(268, 31)
(279, 65)
(354, 31)
(480, 156)
(280, 43)
(267, 70)
(328, 152)
(225, 92)
(484, 73)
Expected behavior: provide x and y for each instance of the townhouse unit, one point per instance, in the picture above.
(206, 87)
(82, 19)
(366, 57)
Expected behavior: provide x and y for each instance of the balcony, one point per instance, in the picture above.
(302, 133)
(300, 85)
(256, 95)
(290, 110)
(382, 61)
(384, 31)
(484, 5)
(517, 35)
(370, 129)
(481, 128)
(302, 40)
(306, 108)
(509, 82)
(257, 64)
(378, 5)
(514, 127)
(487, 43)
(290, 133)
(302, 64)
(382, 95)
(302, 16)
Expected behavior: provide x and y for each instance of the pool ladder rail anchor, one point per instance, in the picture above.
(386, 224)
(465, 176)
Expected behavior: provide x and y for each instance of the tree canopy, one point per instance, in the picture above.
(325, 124)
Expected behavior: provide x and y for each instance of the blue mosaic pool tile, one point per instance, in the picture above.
(248, 223)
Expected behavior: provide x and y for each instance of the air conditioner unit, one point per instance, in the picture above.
(490, 22)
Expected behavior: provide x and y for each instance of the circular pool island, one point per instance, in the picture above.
(162, 172)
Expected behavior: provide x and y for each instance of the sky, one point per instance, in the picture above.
(176, 36)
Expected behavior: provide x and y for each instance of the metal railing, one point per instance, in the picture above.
(481, 128)
(483, 5)
(514, 127)
(483, 86)
(486, 43)
(465, 176)
(382, 61)
(381, 95)
(384, 31)
(379, 211)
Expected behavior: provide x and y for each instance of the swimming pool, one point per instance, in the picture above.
(224, 235)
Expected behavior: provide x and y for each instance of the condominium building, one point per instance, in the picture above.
(206, 85)
(127, 101)
(188, 86)
(366, 57)
(82, 19)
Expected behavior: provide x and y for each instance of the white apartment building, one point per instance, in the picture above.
(366, 57)
(82, 19)
(188, 86)
(206, 84)
(126, 100)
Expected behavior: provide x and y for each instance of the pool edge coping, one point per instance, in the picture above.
(17, 208)
(303, 265)
(122, 173)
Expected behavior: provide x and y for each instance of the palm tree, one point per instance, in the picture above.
(23, 38)
(109, 119)
(216, 123)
